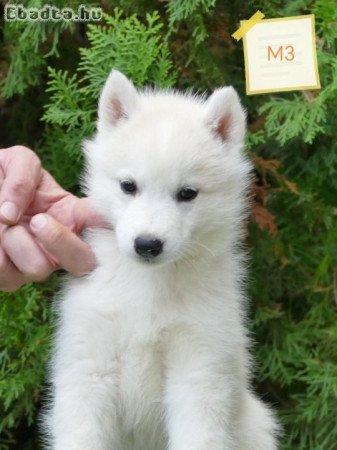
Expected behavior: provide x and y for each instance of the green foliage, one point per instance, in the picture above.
(295, 323)
(326, 18)
(135, 48)
(30, 46)
(297, 116)
(192, 11)
(24, 337)
(181, 10)
(305, 115)
(292, 139)
(126, 44)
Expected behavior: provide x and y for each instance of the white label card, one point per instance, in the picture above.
(280, 55)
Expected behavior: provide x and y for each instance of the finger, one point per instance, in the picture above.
(77, 213)
(72, 254)
(10, 278)
(26, 254)
(86, 215)
(21, 169)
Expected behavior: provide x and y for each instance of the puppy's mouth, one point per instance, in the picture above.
(148, 260)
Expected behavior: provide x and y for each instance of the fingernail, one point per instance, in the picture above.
(38, 222)
(10, 212)
(89, 265)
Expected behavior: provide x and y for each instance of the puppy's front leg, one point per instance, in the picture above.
(83, 415)
(199, 398)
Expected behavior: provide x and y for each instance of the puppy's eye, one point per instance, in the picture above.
(186, 194)
(128, 187)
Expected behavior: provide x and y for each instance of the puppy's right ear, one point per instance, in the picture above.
(118, 100)
(225, 115)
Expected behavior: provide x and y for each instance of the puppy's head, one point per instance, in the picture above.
(167, 170)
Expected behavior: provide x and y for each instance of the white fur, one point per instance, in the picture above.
(153, 356)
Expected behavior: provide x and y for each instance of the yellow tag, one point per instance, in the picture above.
(247, 25)
(280, 54)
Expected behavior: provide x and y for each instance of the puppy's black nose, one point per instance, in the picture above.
(148, 248)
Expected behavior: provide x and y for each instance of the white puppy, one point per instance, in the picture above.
(151, 349)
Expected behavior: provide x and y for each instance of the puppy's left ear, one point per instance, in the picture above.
(225, 115)
(117, 102)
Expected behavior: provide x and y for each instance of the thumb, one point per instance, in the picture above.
(62, 245)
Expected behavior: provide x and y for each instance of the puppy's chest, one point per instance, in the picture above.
(144, 314)
(138, 327)
(140, 341)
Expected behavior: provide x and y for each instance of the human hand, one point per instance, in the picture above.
(39, 222)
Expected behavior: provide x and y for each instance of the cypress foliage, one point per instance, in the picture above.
(51, 77)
